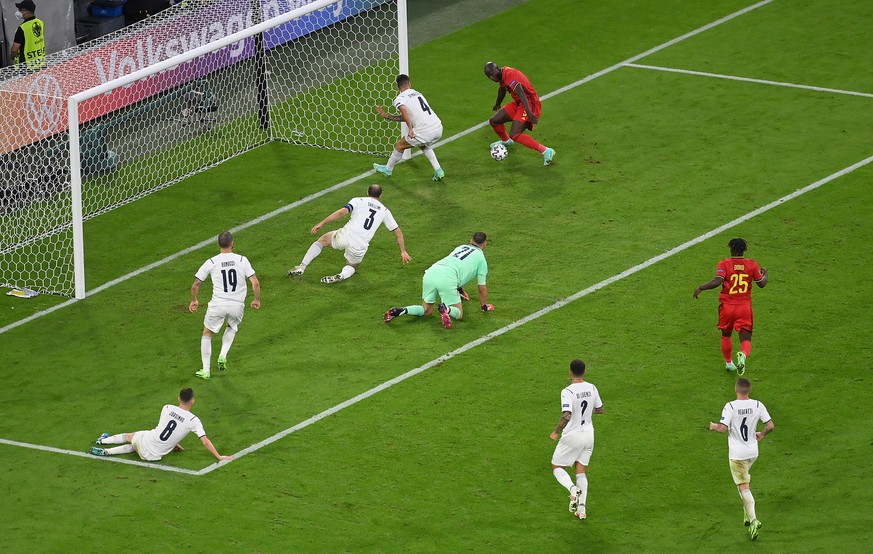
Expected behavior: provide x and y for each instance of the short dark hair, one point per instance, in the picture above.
(375, 191)
(577, 367)
(225, 239)
(402, 79)
(744, 385)
(479, 238)
(186, 395)
(738, 246)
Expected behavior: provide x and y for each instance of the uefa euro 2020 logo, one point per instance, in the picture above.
(44, 104)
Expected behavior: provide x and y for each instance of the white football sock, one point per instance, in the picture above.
(563, 477)
(124, 449)
(749, 504)
(114, 439)
(431, 156)
(347, 272)
(226, 341)
(205, 351)
(582, 483)
(394, 159)
(312, 253)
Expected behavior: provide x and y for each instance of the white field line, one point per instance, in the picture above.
(107, 459)
(338, 186)
(559, 304)
(748, 80)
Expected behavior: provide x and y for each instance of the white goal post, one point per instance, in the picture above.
(189, 92)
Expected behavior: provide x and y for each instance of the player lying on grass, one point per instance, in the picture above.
(445, 278)
(175, 424)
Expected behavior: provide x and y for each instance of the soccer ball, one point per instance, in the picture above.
(499, 152)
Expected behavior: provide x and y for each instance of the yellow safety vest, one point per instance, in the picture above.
(33, 50)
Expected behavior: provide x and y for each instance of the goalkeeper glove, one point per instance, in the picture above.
(487, 307)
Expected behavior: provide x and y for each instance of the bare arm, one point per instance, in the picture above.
(501, 94)
(400, 242)
(211, 448)
(565, 419)
(483, 299)
(522, 97)
(598, 410)
(763, 282)
(718, 427)
(388, 116)
(192, 307)
(716, 282)
(404, 112)
(16, 48)
(768, 428)
(331, 218)
(256, 288)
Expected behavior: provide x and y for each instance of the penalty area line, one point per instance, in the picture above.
(543, 311)
(748, 80)
(338, 186)
(103, 458)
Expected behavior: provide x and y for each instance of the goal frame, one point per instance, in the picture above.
(256, 32)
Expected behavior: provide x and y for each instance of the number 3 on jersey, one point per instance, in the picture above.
(368, 223)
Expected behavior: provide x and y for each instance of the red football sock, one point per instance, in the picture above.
(746, 347)
(500, 129)
(525, 140)
(727, 348)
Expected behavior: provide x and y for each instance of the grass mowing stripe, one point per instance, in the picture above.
(104, 458)
(347, 182)
(748, 79)
(550, 308)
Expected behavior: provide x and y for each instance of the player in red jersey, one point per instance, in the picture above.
(735, 276)
(524, 110)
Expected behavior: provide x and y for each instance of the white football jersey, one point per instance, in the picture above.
(423, 117)
(229, 273)
(175, 424)
(366, 216)
(580, 399)
(741, 418)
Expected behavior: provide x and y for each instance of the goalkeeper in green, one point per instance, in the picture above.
(445, 278)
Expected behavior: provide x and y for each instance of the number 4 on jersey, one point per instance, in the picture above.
(424, 107)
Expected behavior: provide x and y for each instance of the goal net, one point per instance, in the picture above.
(152, 104)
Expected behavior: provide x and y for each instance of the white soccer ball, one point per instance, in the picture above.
(499, 152)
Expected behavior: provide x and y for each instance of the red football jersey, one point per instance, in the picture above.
(738, 274)
(512, 77)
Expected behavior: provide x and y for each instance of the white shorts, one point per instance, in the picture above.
(354, 252)
(575, 447)
(141, 449)
(425, 138)
(216, 315)
(740, 470)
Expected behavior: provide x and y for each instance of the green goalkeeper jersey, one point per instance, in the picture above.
(465, 262)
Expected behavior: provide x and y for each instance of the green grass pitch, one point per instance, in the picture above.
(456, 459)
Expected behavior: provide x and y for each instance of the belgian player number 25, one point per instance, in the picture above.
(739, 283)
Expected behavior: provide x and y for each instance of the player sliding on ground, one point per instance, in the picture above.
(524, 110)
(368, 213)
(174, 425)
(444, 280)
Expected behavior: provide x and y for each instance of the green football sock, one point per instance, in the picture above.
(415, 310)
(454, 312)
